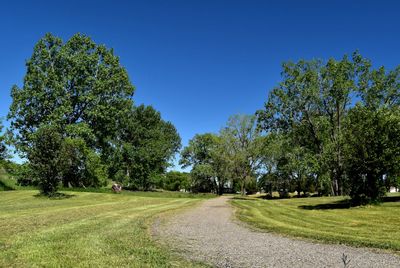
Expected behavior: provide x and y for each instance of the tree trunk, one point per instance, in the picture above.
(220, 188)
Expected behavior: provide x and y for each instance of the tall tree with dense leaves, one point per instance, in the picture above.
(373, 151)
(310, 105)
(373, 134)
(66, 83)
(143, 148)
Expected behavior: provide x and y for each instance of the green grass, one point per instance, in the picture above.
(159, 193)
(85, 230)
(326, 219)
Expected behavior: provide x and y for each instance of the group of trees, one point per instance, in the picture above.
(75, 122)
(225, 161)
(329, 127)
(337, 127)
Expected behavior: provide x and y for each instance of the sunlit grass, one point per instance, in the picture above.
(86, 229)
(327, 219)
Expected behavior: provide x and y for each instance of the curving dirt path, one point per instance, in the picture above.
(209, 234)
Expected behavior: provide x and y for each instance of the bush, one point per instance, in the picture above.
(54, 159)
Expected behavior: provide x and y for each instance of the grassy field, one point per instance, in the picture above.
(85, 229)
(327, 219)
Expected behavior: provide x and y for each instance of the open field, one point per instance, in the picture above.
(327, 219)
(84, 229)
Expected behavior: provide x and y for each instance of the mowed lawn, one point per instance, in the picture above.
(327, 219)
(87, 229)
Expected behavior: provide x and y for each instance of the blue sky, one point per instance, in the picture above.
(198, 62)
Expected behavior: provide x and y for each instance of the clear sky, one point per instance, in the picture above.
(198, 62)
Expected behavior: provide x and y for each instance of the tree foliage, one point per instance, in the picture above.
(199, 155)
(325, 134)
(67, 83)
(176, 181)
(230, 157)
(78, 91)
(142, 148)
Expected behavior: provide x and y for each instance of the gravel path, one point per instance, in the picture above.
(210, 235)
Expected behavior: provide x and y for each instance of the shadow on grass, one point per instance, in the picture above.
(395, 198)
(55, 196)
(245, 198)
(342, 204)
(269, 197)
(347, 203)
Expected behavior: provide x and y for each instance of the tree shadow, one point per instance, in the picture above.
(269, 197)
(342, 204)
(244, 198)
(55, 196)
(395, 198)
(348, 203)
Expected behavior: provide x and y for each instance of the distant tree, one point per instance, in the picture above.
(142, 148)
(222, 164)
(176, 181)
(199, 154)
(243, 144)
(234, 155)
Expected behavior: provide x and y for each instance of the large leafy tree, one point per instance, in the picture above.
(81, 90)
(142, 148)
(372, 134)
(66, 83)
(310, 105)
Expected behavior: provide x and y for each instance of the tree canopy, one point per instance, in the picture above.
(75, 83)
(79, 92)
(142, 148)
(313, 110)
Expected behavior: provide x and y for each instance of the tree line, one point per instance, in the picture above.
(329, 127)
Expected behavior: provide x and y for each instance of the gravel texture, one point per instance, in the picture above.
(209, 234)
